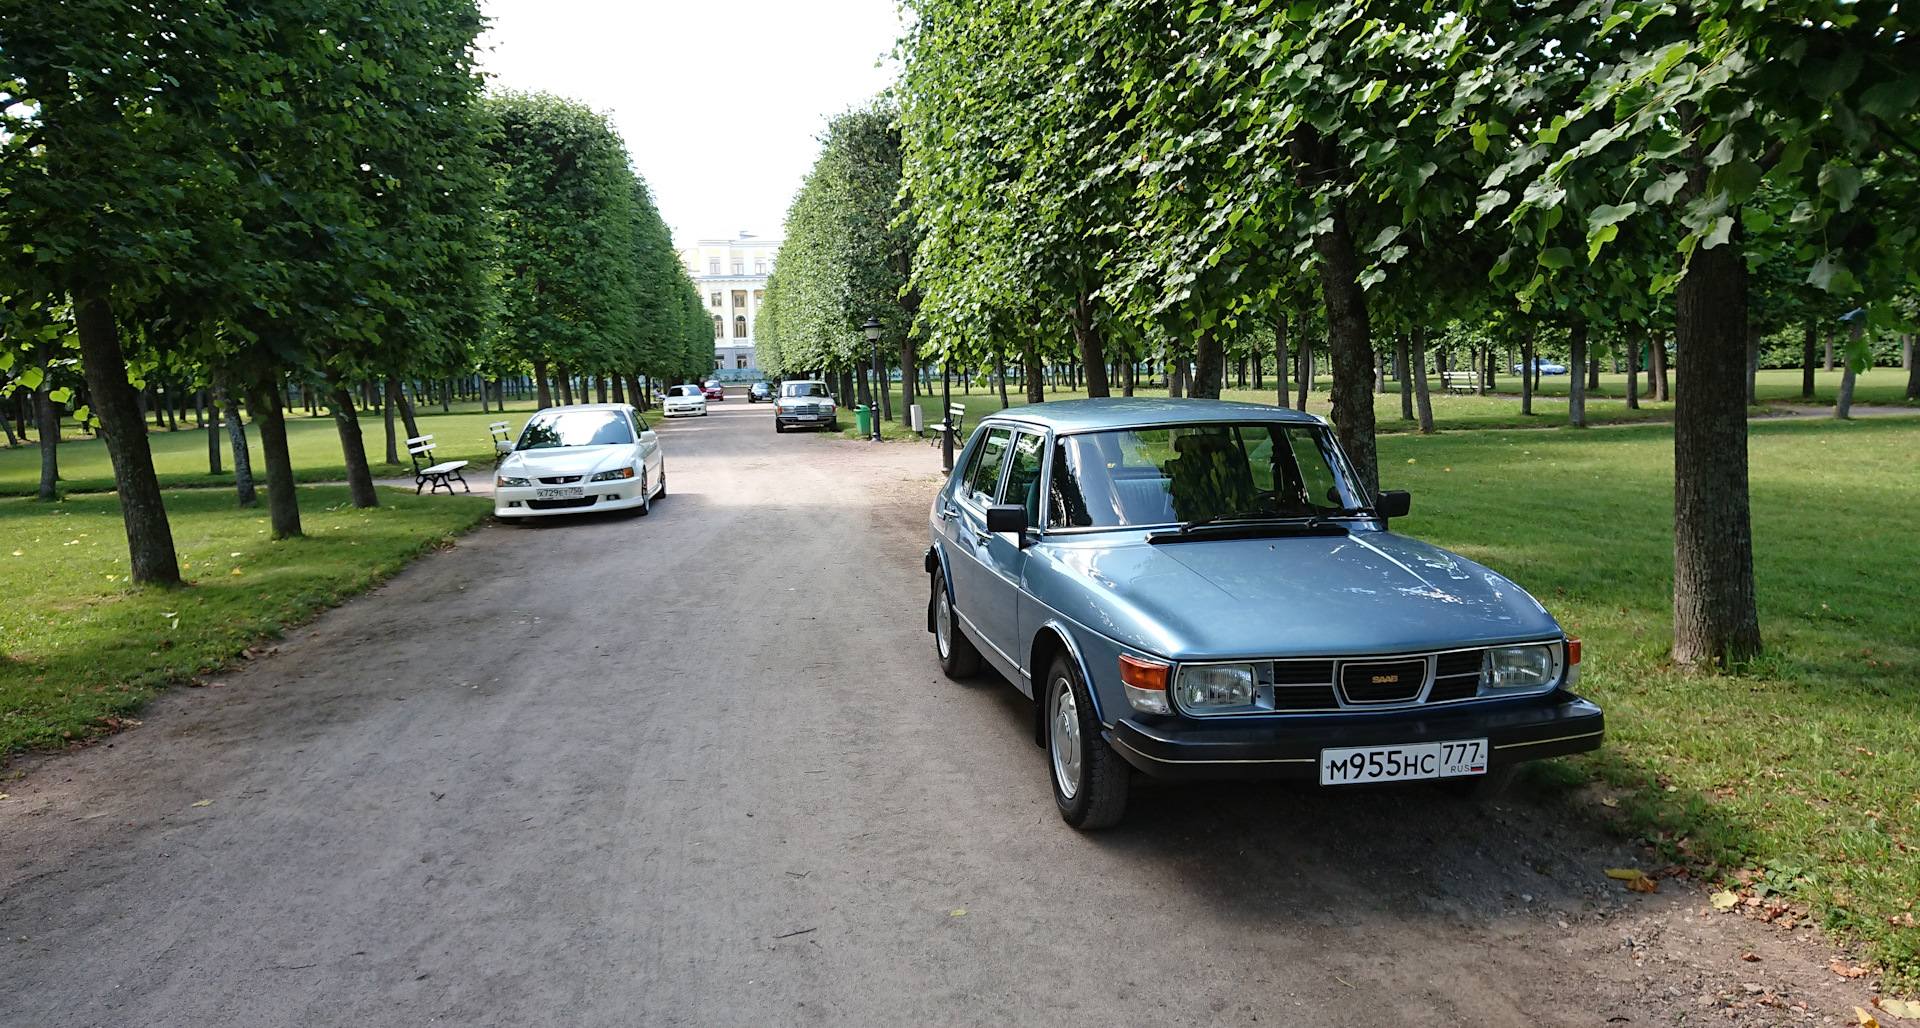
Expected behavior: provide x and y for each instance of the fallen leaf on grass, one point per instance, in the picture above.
(1723, 900)
(204, 803)
(1901, 1008)
(1609, 802)
(1865, 1019)
(1751, 958)
(1849, 972)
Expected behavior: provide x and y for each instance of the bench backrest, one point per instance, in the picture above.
(420, 448)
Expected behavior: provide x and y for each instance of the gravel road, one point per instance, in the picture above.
(700, 768)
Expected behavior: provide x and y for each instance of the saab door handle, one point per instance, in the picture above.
(948, 513)
(981, 535)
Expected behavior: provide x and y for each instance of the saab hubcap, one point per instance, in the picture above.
(1066, 739)
(943, 623)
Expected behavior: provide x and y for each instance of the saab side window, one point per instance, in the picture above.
(1023, 482)
(983, 481)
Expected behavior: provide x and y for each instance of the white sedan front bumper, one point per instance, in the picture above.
(527, 502)
(673, 409)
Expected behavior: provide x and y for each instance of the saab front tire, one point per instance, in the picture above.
(1090, 780)
(959, 660)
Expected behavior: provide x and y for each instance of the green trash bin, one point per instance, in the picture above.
(863, 419)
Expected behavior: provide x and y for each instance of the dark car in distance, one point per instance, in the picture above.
(759, 391)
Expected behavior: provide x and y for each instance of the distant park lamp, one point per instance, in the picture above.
(872, 328)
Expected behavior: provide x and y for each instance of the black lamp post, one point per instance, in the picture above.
(872, 328)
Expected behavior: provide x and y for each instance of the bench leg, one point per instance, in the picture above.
(463, 484)
(418, 481)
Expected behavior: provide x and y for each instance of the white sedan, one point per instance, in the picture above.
(684, 399)
(593, 456)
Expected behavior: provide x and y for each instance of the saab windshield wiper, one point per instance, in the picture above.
(1244, 524)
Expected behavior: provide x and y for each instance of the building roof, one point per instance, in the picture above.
(1135, 411)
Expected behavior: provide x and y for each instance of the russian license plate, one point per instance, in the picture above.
(808, 417)
(1355, 765)
(565, 492)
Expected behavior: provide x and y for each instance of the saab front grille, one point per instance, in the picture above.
(1456, 676)
(1397, 681)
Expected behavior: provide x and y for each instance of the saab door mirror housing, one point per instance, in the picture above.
(1007, 517)
(1395, 503)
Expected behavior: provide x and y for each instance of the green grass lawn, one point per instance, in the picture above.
(80, 648)
(1805, 764)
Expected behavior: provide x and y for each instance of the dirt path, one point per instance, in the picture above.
(701, 768)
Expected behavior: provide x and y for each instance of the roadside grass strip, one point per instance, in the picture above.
(81, 649)
(1797, 777)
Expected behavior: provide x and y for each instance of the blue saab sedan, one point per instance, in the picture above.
(1198, 589)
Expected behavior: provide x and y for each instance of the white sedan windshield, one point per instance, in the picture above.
(576, 428)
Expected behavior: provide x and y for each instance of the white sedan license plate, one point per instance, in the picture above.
(569, 492)
(1412, 761)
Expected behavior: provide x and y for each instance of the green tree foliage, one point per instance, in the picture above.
(846, 257)
(588, 280)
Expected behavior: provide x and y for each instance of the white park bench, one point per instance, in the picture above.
(956, 419)
(502, 435)
(426, 473)
(1461, 381)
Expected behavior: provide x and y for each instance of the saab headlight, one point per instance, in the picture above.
(1517, 669)
(608, 476)
(1213, 686)
(510, 482)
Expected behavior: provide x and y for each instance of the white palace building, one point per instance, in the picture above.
(732, 275)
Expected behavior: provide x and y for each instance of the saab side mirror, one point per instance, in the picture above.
(1008, 517)
(1395, 503)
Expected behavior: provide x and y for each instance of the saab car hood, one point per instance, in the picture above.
(1370, 592)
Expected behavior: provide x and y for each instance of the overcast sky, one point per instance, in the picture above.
(720, 104)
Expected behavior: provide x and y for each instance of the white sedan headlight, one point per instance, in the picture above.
(1517, 669)
(608, 476)
(510, 482)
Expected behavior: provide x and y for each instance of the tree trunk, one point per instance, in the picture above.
(1657, 376)
(6, 421)
(545, 391)
(346, 418)
(1280, 356)
(1843, 401)
(1913, 375)
(1576, 375)
(909, 380)
(229, 411)
(1350, 345)
(1379, 371)
(283, 504)
(1526, 374)
(115, 403)
(214, 442)
(46, 425)
(1633, 370)
(1306, 370)
(1423, 399)
(1129, 373)
(1000, 376)
(619, 388)
(1593, 372)
(1092, 347)
(1827, 365)
(1753, 363)
(1209, 364)
(1036, 385)
(566, 384)
(1714, 613)
(1807, 347)
(386, 416)
(1406, 380)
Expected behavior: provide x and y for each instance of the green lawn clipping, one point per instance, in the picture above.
(80, 649)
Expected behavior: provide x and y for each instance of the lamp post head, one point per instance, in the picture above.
(872, 329)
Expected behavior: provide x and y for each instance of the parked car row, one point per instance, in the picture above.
(1189, 589)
